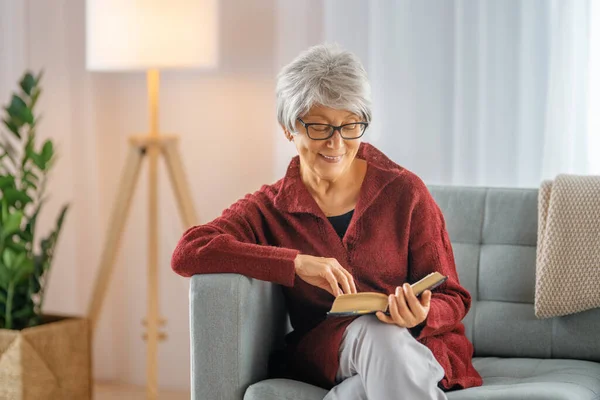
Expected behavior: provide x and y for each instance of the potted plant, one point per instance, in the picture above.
(41, 356)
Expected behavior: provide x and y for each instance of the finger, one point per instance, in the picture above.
(351, 281)
(342, 279)
(403, 309)
(426, 299)
(413, 303)
(384, 318)
(348, 275)
(333, 282)
(394, 311)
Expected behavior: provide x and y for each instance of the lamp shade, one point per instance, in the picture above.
(148, 34)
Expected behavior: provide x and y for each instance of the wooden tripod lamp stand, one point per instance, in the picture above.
(147, 35)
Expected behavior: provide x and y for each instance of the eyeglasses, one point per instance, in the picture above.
(351, 131)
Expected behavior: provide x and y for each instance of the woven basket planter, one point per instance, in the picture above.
(49, 361)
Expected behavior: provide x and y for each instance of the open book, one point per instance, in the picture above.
(371, 302)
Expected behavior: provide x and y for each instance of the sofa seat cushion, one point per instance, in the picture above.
(503, 379)
(533, 379)
(284, 389)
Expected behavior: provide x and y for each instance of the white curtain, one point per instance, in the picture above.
(475, 92)
(593, 125)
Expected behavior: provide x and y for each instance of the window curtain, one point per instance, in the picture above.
(476, 92)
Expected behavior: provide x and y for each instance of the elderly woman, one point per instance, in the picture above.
(345, 219)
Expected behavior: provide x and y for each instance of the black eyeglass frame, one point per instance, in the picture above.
(306, 125)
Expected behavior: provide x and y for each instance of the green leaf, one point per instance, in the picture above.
(16, 120)
(30, 226)
(12, 127)
(28, 83)
(25, 312)
(12, 224)
(35, 96)
(34, 282)
(47, 151)
(37, 159)
(38, 263)
(20, 293)
(8, 258)
(61, 218)
(16, 246)
(47, 244)
(19, 111)
(5, 276)
(21, 260)
(24, 269)
(17, 104)
(4, 208)
(20, 298)
(14, 197)
(7, 181)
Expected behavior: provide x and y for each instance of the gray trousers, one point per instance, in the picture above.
(380, 361)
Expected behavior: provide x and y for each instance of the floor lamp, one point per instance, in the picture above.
(147, 36)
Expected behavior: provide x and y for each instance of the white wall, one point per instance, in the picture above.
(229, 147)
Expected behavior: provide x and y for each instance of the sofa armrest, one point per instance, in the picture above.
(235, 323)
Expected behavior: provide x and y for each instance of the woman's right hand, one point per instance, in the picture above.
(324, 273)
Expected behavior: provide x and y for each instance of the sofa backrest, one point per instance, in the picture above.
(494, 236)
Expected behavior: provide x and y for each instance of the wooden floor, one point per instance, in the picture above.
(110, 391)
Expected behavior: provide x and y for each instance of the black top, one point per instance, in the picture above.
(340, 222)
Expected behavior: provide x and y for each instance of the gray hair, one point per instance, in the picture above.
(322, 75)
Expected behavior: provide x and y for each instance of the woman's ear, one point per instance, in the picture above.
(287, 134)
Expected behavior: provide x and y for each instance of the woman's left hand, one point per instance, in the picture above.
(406, 310)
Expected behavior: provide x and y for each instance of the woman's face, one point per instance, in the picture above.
(326, 159)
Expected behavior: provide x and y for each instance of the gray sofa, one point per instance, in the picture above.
(237, 321)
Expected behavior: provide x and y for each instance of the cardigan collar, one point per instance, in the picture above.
(294, 197)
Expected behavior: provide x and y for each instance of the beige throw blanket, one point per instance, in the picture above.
(568, 246)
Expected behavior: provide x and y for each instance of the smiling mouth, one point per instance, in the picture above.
(332, 159)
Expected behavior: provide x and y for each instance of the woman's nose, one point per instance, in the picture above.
(336, 140)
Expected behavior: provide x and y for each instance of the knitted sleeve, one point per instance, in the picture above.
(229, 244)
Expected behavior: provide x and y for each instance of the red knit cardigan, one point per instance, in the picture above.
(397, 235)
